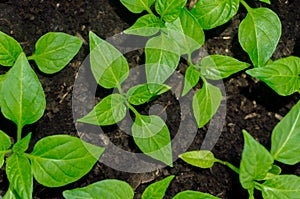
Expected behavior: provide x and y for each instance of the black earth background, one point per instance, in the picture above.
(251, 105)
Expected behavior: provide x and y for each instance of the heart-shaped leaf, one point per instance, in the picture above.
(152, 136)
(102, 189)
(54, 50)
(108, 111)
(109, 66)
(22, 96)
(259, 34)
(61, 159)
(10, 50)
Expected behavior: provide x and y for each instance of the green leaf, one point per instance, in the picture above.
(19, 174)
(109, 66)
(137, 6)
(281, 75)
(146, 25)
(203, 158)
(162, 58)
(10, 194)
(61, 159)
(22, 145)
(169, 10)
(217, 67)
(102, 189)
(186, 32)
(205, 103)
(274, 171)
(2, 78)
(5, 144)
(22, 96)
(193, 195)
(213, 13)
(191, 78)
(285, 146)
(108, 111)
(265, 1)
(259, 35)
(143, 93)
(256, 162)
(282, 186)
(152, 136)
(158, 189)
(10, 49)
(54, 50)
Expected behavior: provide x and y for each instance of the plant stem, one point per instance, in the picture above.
(19, 132)
(231, 166)
(190, 62)
(136, 113)
(30, 57)
(248, 8)
(149, 10)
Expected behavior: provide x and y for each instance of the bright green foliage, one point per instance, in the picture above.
(10, 49)
(4, 146)
(259, 34)
(193, 195)
(216, 67)
(266, 1)
(10, 194)
(283, 187)
(186, 32)
(203, 158)
(169, 10)
(137, 6)
(152, 136)
(22, 145)
(191, 78)
(19, 174)
(2, 78)
(162, 58)
(205, 103)
(22, 98)
(102, 189)
(213, 13)
(143, 93)
(274, 171)
(108, 111)
(109, 66)
(256, 162)
(53, 159)
(54, 50)
(146, 25)
(157, 190)
(285, 146)
(281, 75)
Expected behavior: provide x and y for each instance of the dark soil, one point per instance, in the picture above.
(251, 105)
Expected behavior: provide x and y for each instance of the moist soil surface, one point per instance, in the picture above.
(250, 104)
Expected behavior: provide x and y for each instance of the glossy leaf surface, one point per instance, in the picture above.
(285, 146)
(152, 136)
(256, 162)
(61, 159)
(259, 35)
(109, 66)
(22, 96)
(213, 13)
(10, 50)
(108, 111)
(216, 67)
(103, 189)
(205, 103)
(54, 50)
(281, 75)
